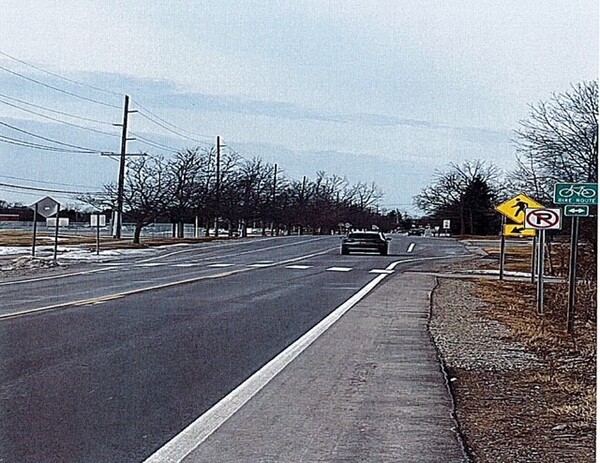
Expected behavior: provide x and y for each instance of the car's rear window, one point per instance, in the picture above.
(364, 236)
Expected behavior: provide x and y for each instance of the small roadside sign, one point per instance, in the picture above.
(577, 211)
(514, 208)
(576, 193)
(446, 224)
(518, 230)
(543, 219)
(46, 207)
(99, 220)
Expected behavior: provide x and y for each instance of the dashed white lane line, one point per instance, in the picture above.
(339, 269)
(299, 267)
(411, 246)
(220, 265)
(380, 271)
(153, 264)
(261, 264)
(183, 265)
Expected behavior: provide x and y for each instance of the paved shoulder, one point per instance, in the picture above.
(368, 390)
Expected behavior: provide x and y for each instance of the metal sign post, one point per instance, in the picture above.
(502, 249)
(572, 274)
(540, 280)
(98, 234)
(56, 233)
(35, 213)
(542, 219)
(46, 207)
(533, 258)
(577, 198)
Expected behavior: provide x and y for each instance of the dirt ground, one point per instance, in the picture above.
(524, 390)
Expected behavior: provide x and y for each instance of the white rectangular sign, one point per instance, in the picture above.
(543, 219)
(94, 220)
(62, 222)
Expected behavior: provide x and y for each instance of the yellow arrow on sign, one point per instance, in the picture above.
(515, 230)
(514, 208)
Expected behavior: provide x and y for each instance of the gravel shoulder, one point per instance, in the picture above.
(523, 391)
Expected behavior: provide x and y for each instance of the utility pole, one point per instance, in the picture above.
(119, 217)
(218, 187)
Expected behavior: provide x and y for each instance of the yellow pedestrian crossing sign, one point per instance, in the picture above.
(518, 230)
(514, 208)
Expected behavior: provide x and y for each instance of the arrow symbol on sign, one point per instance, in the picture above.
(576, 211)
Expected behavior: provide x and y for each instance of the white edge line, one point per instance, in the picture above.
(178, 448)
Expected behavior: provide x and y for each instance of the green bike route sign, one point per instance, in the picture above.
(576, 193)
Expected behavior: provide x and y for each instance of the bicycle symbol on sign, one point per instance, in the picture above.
(582, 191)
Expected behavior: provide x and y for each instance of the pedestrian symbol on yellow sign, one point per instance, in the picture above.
(514, 208)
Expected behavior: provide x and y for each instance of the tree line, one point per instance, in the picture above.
(558, 142)
(227, 191)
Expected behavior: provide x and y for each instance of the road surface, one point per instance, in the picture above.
(108, 362)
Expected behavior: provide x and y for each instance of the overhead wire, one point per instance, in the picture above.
(171, 130)
(154, 144)
(62, 113)
(75, 95)
(169, 123)
(45, 182)
(90, 150)
(66, 79)
(27, 144)
(48, 190)
(104, 132)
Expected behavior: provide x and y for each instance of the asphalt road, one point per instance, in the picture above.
(107, 362)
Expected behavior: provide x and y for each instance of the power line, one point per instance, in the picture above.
(59, 120)
(152, 143)
(55, 111)
(45, 182)
(49, 139)
(27, 144)
(173, 131)
(59, 89)
(168, 123)
(66, 79)
(46, 190)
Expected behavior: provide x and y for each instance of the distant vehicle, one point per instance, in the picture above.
(416, 232)
(365, 241)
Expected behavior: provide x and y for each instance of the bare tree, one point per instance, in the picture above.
(145, 193)
(559, 141)
(185, 171)
(464, 192)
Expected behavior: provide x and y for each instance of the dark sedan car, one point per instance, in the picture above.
(365, 241)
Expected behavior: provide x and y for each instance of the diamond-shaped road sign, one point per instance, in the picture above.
(514, 208)
(577, 211)
(46, 207)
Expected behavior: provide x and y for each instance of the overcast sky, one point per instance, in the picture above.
(378, 90)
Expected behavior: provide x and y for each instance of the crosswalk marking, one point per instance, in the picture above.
(299, 267)
(380, 271)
